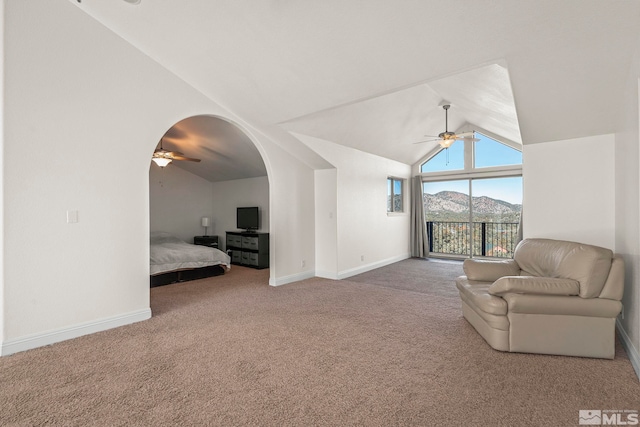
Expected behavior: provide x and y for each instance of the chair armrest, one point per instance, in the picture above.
(534, 285)
(614, 286)
(562, 305)
(489, 270)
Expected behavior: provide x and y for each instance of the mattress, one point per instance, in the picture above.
(169, 253)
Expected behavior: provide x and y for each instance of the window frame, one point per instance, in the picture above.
(470, 172)
(394, 179)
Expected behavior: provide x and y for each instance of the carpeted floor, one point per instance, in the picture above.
(388, 347)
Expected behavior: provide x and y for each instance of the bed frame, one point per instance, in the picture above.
(185, 275)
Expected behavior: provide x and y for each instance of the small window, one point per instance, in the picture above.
(395, 195)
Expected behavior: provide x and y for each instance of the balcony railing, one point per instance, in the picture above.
(493, 239)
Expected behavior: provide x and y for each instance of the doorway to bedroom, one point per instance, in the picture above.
(214, 169)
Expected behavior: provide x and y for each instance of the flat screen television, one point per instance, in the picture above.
(248, 218)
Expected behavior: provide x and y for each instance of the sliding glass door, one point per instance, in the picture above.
(447, 213)
(495, 215)
(473, 217)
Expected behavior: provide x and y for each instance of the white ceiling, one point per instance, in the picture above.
(372, 74)
(226, 153)
(390, 125)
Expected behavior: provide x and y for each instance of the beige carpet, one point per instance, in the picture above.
(386, 348)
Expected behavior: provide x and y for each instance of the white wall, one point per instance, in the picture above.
(177, 201)
(627, 176)
(229, 195)
(367, 237)
(82, 112)
(326, 202)
(569, 190)
(2, 196)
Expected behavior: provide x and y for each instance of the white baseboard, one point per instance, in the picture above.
(632, 352)
(279, 281)
(336, 276)
(39, 340)
(368, 267)
(327, 274)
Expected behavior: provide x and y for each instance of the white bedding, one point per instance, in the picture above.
(168, 253)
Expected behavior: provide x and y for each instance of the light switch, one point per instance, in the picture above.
(72, 217)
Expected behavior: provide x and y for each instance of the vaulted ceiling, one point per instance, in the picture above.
(373, 74)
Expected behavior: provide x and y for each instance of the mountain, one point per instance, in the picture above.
(455, 203)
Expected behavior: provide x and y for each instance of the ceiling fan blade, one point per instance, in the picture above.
(426, 140)
(466, 139)
(189, 159)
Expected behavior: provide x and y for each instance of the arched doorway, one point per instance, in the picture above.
(230, 174)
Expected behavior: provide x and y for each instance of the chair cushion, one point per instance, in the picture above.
(477, 293)
(587, 264)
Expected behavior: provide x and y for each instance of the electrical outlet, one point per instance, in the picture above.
(361, 257)
(303, 263)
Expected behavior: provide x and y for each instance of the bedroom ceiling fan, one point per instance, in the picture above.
(163, 157)
(446, 138)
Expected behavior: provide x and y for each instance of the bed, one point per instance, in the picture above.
(174, 260)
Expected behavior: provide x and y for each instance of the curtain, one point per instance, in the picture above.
(419, 238)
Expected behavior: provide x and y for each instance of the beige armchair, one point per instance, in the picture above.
(553, 297)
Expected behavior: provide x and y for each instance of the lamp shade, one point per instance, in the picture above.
(205, 221)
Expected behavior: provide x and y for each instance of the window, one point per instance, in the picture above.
(450, 159)
(473, 217)
(473, 203)
(489, 152)
(395, 195)
(465, 156)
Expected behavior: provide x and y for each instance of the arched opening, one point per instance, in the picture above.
(214, 169)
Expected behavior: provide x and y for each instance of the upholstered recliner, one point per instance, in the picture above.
(553, 297)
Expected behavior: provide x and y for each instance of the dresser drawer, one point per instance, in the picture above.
(249, 243)
(236, 257)
(234, 240)
(250, 258)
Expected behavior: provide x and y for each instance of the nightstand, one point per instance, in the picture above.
(210, 241)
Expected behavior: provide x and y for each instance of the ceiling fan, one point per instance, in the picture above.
(446, 138)
(163, 157)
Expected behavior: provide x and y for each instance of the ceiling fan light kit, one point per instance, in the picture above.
(163, 157)
(447, 142)
(161, 161)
